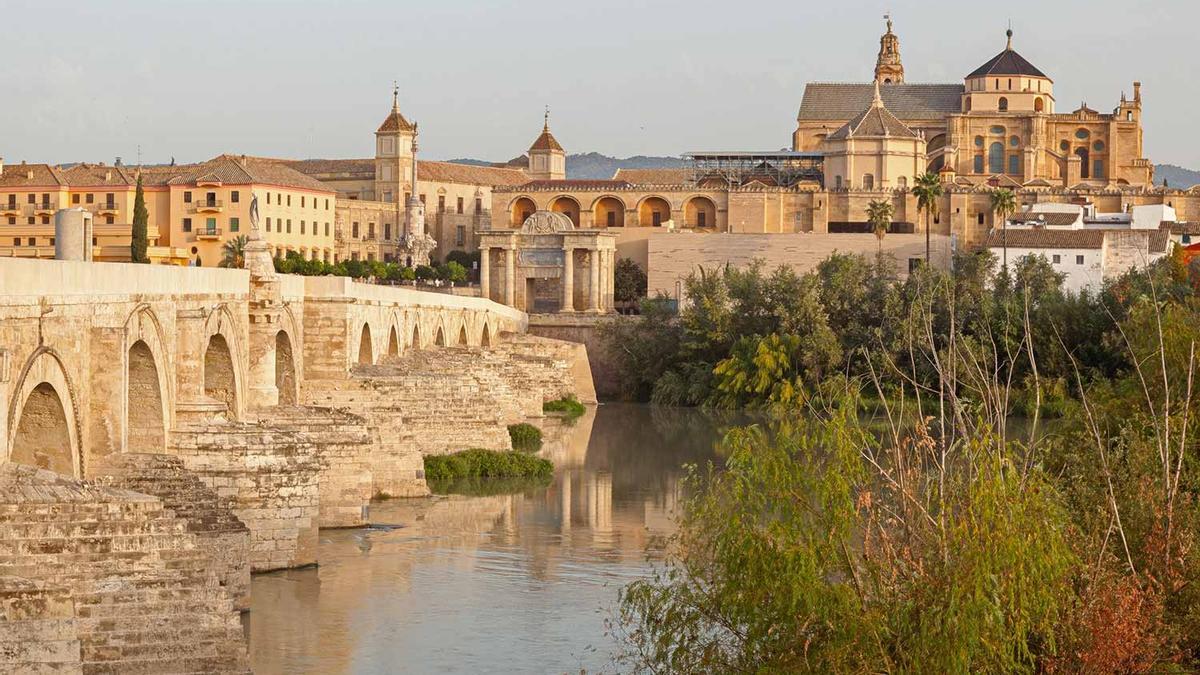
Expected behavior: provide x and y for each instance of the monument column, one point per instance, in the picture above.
(485, 270)
(568, 279)
(510, 271)
(594, 286)
(609, 280)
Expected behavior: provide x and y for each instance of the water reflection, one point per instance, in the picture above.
(495, 583)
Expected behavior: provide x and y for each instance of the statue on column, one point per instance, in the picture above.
(416, 243)
(257, 255)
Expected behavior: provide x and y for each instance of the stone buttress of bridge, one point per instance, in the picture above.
(248, 410)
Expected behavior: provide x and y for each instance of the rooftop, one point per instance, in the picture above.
(840, 101)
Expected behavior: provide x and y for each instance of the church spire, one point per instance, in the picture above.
(888, 68)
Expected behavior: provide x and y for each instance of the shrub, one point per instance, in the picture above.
(569, 405)
(479, 463)
(425, 272)
(525, 437)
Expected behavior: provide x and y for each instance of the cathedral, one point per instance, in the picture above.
(999, 123)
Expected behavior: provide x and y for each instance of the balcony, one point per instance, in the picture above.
(10, 209)
(44, 209)
(207, 206)
(207, 234)
(106, 209)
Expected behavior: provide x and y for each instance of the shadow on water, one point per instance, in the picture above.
(512, 577)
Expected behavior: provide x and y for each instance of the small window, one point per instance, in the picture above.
(187, 197)
(837, 182)
(234, 223)
(354, 230)
(301, 201)
(460, 235)
(74, 199)
(1014, 164)
(1098, 146)
(1078, 260)
(45, 220)
(370, 230)
(109, 199)
(1056, 258)
(289, 225)
(289, 200)
(868, 181)
(326, 204)
(422, 199)
(32, 220)
(1097, 168)
(234, 196)
(268, 221)
(302, 227)
(1003, 106)
(979, 218)
(387, 230)
(32, 198)
(90, 198)
(441, 203)
(979, 141)
(460, 204)
(1038, 104)
(187, 224)
(109, 220)
(210, 224)
(1064, 146)
(12, 220)
(268, 197)
(1082, 134)
(32, 241)
(478, 205)
(998, 130)
(326, 229)
(1014, 141)
(978, 164)
(16, 241)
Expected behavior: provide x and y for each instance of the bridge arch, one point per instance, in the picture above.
(485, 336)
(223, 361)
(44, 417)
(149, 388)
(439, 339)
(366, 354)
(462, 336)
(145, 417)
(416, 336)
(286, 381)
(393, 344)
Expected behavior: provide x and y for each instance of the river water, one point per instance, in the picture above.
(510, 583)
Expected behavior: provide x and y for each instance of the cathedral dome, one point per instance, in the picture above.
(1007, 63)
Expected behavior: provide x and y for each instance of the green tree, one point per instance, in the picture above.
(629, 281)
(928, 190)
(140, 238)
(233, 252)
(1004, 204)
(455, 272)
(879, 213)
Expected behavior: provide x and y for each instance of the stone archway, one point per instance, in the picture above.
(43, 437)
(220, 383)
(521, 209)
(285, 369)
(608, 212)
(653, 212)
(145, 428)
(393, 346)
(365, 354)
(462, 336)
(439, 340)
(485, 339)
(700, 212)
(568, 207)
(416, 338)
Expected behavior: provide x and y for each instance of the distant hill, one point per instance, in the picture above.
(1177, 176)
(593, 165)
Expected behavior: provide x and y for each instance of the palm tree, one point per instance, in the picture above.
(928, 189)
(1004, 204)
(233, 253)
(880, 213)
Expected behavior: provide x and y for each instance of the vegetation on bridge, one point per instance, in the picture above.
(478, 463)
(525, 437)
(569, 406)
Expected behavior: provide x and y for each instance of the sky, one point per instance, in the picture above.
(189, 80)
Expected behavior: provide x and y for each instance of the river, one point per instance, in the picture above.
(510, 583)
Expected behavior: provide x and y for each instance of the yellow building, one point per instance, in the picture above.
(193, 209)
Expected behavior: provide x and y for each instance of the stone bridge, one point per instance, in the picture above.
(250, 410)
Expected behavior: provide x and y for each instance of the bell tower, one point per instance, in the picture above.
(888, 69)
(394, 158)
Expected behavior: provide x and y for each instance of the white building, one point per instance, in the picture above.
(1087, 247)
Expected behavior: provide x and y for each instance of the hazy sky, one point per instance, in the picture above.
(88, 82)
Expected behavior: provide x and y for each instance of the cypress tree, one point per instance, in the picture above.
(139, 240)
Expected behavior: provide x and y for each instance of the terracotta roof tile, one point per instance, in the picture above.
(546, 142)
(453, 172)
(92, 175)
(395, 122)
(577, 184)
(313, 167)
(234, 170)
(31, 175)
(841, 101)
(660, 176)
(1007, 62)
(1051, 218)
(1043, 238)
(876, 120)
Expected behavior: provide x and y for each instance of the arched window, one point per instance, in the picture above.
(967, 105)
(837, 182)
(1003, 106)
(978, 163)
(868, 181)
(1098, 168)
(1084, 168)
(996, 158)
(1014, 142)
(979, 141)
(1014, 165)
(1038, 104)
(1098, 146)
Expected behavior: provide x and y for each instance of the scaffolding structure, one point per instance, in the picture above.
(783, 168)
